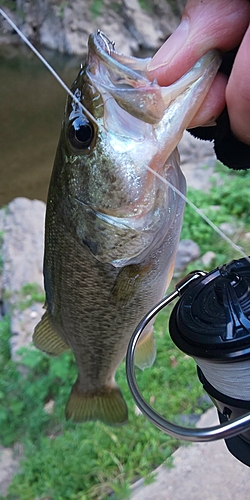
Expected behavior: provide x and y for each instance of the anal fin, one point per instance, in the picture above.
(107, 405)
(46, 338)
(145, 352)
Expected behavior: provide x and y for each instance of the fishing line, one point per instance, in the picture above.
(199, 212)
(66, 88)
(232, 379)
(49, 67)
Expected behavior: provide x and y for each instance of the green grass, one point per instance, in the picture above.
(226, 201)
(30, 293)
(63, 461)
(66, 461)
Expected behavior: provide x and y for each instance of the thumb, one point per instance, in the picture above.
(205, 25)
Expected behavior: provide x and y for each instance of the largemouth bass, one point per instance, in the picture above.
(112, 224)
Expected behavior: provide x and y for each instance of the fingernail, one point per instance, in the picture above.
(210, 123)
(171, 47)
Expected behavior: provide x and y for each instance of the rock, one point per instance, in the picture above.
(23, 243)
(7, 34)
(49, 407)
(65, 26)
(229, 229)
(197, 161)
(22, 328)
(9, 463)
(208, 258)
(187, 252)
(23, 236)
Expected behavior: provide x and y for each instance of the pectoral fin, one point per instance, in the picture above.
(46, 339)
(108, 406)
(145, 352)
(127, 283)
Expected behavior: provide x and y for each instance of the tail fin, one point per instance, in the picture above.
(107, 405)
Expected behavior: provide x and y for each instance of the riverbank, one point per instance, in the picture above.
(137, 27)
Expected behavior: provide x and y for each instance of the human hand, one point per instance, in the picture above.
(208, 24)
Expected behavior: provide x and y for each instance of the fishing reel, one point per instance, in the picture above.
(211, 323)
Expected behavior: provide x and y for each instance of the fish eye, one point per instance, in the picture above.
(81, 134)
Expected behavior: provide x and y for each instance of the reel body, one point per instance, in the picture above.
(211, 323)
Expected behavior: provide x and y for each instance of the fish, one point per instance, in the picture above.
(112, 226)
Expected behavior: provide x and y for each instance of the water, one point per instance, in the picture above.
(31, 111)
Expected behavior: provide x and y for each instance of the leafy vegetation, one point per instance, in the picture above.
(96, 8)
(63, 461)
(146, 5)
(10, 4)
(66, 461)
(61, 8)
(226, 201)
(30, 293)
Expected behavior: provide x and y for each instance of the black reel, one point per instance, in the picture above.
(211, 323)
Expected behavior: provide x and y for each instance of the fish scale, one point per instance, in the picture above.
(112, 228)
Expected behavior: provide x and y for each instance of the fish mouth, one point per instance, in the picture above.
(125, 79)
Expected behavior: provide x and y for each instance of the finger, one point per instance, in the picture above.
(205, 25)
(213, 105)
(238, 92)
